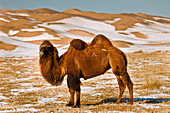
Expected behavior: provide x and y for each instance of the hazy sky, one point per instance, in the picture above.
(153, 7)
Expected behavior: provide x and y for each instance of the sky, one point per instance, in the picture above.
(152, 7)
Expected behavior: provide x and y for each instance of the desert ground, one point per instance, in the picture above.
(23, 89)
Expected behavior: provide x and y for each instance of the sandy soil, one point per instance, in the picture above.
(23, 89)
(122, 44)
(81, 33)
(7, 47)
(139, 35)
(62, 41)
(29, 34)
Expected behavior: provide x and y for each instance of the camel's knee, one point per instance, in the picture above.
(126, 79)
(130, 85)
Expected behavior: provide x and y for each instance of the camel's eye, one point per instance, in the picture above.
(42, 48)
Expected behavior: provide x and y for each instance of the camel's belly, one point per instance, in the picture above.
(95, 68)
(91, 75)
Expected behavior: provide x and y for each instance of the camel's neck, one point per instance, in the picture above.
(51, 70)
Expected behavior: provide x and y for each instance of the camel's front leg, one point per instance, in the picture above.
(77, 98)
(71, 102)
(74, 86)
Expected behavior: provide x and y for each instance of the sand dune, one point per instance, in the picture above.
(125, 30)
(81, 32)
(7, 47)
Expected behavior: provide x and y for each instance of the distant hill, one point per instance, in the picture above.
(19, 28)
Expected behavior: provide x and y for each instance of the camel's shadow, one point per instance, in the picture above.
(126, 100)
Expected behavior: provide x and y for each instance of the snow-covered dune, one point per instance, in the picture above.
(21, 29)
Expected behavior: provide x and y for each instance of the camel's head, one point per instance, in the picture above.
(46, 49)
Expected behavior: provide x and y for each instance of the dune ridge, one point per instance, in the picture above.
(125, 30)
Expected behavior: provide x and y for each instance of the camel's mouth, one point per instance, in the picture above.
(43, 52)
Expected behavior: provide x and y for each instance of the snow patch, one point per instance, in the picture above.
(4, 20)
(23, 79)
(44, 36)
(149, 106)
(161, 18)
(12, 32)
(35, 29)
(155, 95)
(47, 100)
(19, 14)
(112, 21)
(26, 90)
(2, 97)
(86, 89)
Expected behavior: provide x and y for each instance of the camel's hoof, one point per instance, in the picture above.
(69, 105)
(117, 102)
(76, 106)
(131, 102)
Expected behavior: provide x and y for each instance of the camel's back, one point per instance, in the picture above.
(94, 60)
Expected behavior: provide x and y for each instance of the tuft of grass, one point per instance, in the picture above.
(152, 83)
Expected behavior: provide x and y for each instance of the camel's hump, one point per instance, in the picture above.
(78, 44)
(101, 39)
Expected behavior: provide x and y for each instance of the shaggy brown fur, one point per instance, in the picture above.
(49, 63)
(94, 60)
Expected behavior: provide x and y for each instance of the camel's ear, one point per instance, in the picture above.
(78, 44)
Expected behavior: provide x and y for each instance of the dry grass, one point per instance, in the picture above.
(24, 89)
(152, 83)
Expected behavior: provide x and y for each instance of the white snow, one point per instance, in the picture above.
(2, 97)
(152, 33)
(87, 89)
(12, 32)
(21, 110)
(35, 29)
(96, 94)
(161, 18)
(4, 20)
(23, 49)
(3, 34)
(26, 90)
(48, 100)
(19, 14)
(155, 95)
(44, 36)
(112, 21)
(23, 79)
(149, 106)
(156, 32)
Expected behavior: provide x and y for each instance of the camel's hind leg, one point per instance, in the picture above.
(123, 80)
(127, 81)
(119, 68)
(122, 87)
